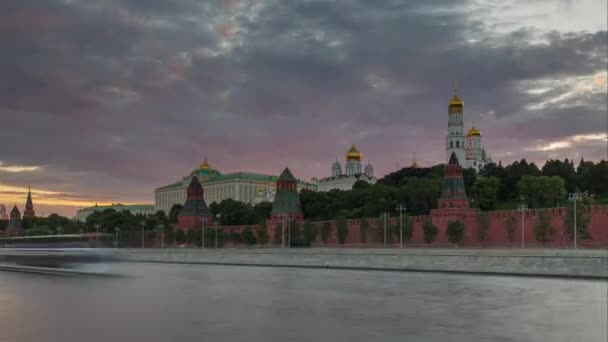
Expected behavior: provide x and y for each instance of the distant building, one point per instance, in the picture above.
(247, 187)
(352, 174)
(143, 209)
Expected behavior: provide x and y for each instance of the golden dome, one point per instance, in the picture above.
(353, 153)
(455, 102)
(206, 165)
(473, 132)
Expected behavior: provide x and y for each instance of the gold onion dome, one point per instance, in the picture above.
(206, 165)
(473, 132)
(455, 102)
(353, 153)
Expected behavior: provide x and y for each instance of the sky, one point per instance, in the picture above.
(103, 101)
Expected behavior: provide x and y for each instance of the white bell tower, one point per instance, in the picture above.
(455, 141)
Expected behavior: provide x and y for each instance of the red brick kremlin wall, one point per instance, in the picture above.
(496, 235)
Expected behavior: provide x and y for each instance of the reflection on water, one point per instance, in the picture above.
(159, 302)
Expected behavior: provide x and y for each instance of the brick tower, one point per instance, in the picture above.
(195, 211)
(453, 194)
(29, 206)
(286, 205)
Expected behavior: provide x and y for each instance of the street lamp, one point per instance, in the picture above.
(216, 227)
(116, 234)
(384, 216)
(203, 232)
(575, 197)
(523, 208)
(97, 233)
(161, 227)
(143, 223)
(400, 208)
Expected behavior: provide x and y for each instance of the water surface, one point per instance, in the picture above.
(158, 302)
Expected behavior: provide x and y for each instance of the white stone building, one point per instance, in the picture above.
(345, 181)
(469, 151)
(247, 187)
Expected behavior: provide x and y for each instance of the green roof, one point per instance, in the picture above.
(174, 185)
(286, 175)
(218, 177)
(120, 207)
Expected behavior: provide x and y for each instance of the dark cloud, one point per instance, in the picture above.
(115, 98)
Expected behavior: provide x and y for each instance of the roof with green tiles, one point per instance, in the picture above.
(120, 207)
(252, 176)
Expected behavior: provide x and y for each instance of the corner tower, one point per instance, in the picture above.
(455, 142)
(453, 194)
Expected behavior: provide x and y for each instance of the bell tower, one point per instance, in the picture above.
(455, 141)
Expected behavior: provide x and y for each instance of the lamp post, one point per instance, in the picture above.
(202, 232)
(400, 208)
(161, 227)
(216, 227)
(116, 234)
(384, 216)
(575, 197)
(96, 226)
(288, 233)
(143, 224)
(523, 208)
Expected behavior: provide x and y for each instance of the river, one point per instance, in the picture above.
(170, 302)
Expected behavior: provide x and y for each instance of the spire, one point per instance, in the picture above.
(415, 162)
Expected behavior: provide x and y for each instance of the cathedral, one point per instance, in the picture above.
(353, 173)
(468, 150)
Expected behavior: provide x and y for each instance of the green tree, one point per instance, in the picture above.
(455, 232)
(248, 236)
(430, 231)
(174, 212)
(342, 230)
(234, 236)
(485, 191)
(191, 236)
(180, 237)
(262, 233)
(564, 170)
(295, 236)
(510, 228)
(379, 231)
(262, 211)
(483, 226)
(363, 228)
(543, 229)
(38, 231)
(408, 228)
(583, 219)
(325, 231)
(278, 234)
(309, 233)
(169, 236)
(542, 191)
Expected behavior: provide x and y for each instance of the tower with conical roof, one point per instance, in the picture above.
(286, 205)
(29, 206)
(453, 194)
(14, 227)
(455, 141)
(194, 213)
